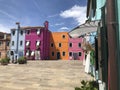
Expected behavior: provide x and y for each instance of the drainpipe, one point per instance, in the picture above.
(18, 24)
(112, 55)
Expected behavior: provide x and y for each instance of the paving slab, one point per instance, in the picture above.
(43, 75)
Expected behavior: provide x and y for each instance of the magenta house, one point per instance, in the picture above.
(75, 50)
(37, 42)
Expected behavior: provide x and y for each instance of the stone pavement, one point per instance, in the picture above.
(43, 75)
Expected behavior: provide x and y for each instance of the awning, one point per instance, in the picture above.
(84, 28)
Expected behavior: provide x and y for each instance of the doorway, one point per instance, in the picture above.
(58, 55)
(75, 56)
(37, 55)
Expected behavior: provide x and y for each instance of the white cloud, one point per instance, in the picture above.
(7, 14)
(51, 16)
(78, 13)
(56, 24)
(59, 24)
(4, 28)
(64, 28)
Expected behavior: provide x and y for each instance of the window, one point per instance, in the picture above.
(38, 31)
(79, 44)
(51, 44)
(80, 54)
(32, 53)
(11, 53)
(0, 43)
(63, 53)
(70, 44)
(27, 43)
(52, 53)
(12, 43)
(70, 53)
(21, 32)
(0, 54)
(7, 43)
(27, 53)
(21, 42)
(60, 45)
(63, 36)
(13, 32)
(37, 43)
(28, 32)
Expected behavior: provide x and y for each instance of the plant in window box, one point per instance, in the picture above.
(22, 60)
(4, 61)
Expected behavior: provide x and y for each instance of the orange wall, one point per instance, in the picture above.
(56, 38)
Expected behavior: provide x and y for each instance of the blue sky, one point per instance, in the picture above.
(63, 15)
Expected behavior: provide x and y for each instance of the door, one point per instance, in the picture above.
(58, 55)
(37, 55)
(75, 56)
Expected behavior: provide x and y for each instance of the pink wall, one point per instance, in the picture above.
(75, 49)
(43, 37)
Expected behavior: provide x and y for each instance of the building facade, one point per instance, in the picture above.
(59, 46)
(17, 43)
(37, 42)
(4, 45)
(75, 50)
(31, 42)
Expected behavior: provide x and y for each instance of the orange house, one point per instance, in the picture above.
(58, 46)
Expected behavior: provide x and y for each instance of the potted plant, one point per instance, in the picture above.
(22, 60)
(4, 61)
(88, 85)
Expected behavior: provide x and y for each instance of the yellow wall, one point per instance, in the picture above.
(56, 38)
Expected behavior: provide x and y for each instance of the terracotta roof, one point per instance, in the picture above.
(28, 27)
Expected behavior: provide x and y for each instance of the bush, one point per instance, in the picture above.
(4, 61)
(22, 60)
(8, 59)
(88, 85)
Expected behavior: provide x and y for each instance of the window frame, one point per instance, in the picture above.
(1, 42)
(21, 43)
(60, 44)
(79, 45)
(51, 45)
(63, 36)
(70, 53)
(53, 53)
(63, 53)
(13, 32)
(21, 32)
(70, 44)
(79, 54)
(13, 43)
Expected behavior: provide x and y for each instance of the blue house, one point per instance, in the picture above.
(17, 43)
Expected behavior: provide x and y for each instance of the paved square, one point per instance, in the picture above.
(42, 75)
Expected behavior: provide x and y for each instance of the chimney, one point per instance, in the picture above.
(17, 23)
(5, 36)
(46, 23)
